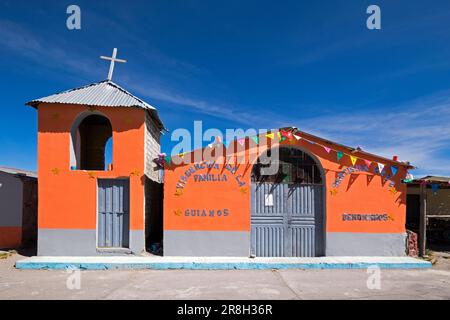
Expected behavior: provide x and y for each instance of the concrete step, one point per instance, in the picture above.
(219, 263)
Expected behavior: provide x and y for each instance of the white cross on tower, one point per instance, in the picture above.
(113, 59)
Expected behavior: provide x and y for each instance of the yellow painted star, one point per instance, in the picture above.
(244, 190)
(128, 119)
(91, 175)
(177, 212)
(56, 171)
(393, 190)
(333, 192)
(178, 192)
(135, 173)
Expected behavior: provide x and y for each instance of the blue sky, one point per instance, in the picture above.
(246, 64)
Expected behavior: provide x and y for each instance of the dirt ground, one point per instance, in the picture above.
(233, 284)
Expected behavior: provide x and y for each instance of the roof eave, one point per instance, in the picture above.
(351, 149)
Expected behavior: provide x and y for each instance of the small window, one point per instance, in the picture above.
(294, 167)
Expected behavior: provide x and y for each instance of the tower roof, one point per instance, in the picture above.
(103, 94)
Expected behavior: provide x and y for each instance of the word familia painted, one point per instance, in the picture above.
(193, 171)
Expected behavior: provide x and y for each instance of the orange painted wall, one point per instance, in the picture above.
(67, 198)
(358, 193)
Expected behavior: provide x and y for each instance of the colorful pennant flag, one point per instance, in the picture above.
(339, 155)
(368, 163)
(327, 149)
(394, 170)
(256, 139)
(287, 134)
(168, 159)
(270, 135)
(297, 137)
(353, 159)
(380, 167)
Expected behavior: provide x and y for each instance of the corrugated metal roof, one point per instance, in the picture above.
(103, 94)
(21, 172)
(435, 179)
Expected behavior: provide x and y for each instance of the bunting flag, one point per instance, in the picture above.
(279, 135)
(380, 167)
(287, 134)
(297, 137)
(408, 178)
(241, 141)
(394, 170)
(168, 159)
(327, 149)
(339, 155)
(368, 163)
(270, 135)
(353, 159)
(256, 139)
(282, 138)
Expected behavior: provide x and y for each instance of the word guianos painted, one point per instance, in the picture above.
(206, 213)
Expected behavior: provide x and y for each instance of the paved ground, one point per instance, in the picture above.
(234, 284)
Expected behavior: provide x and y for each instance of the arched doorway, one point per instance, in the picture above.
(287, 207)
(91, 142)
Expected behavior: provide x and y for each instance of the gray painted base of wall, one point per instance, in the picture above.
(77, 242)
(237, 244)
(207, 243)
(365, 244)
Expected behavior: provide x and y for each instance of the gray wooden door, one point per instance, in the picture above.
(113, 212)
(290, 223)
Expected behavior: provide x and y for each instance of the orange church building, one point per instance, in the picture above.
(322, 199)
(90, 202)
